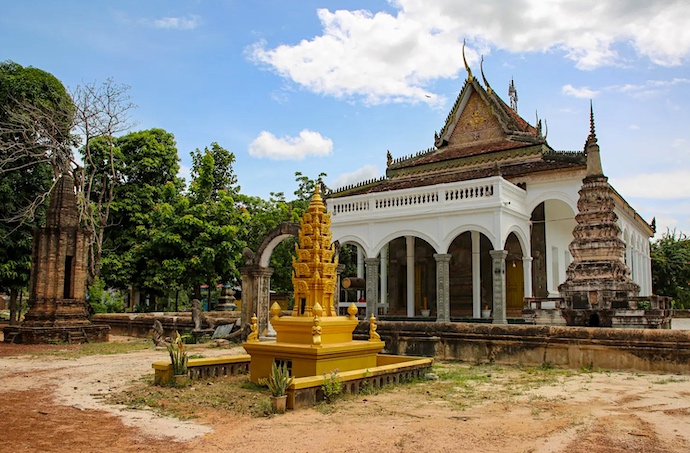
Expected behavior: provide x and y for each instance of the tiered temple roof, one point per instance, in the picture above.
(480, 132)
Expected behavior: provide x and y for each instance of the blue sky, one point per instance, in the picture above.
(316, 86)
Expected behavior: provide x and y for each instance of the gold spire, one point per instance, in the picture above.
(314, 270)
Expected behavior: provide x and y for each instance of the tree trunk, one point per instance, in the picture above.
(14, 309)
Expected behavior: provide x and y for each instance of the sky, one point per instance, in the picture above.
(329, 86)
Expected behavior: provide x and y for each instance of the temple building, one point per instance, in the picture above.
(481, 221)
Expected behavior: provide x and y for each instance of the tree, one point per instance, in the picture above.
(101, 112)
(35, 122)
(222, 176)
(671, 267)
(148, 189)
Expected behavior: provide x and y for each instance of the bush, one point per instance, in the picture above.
(332, 385)
(103, 300)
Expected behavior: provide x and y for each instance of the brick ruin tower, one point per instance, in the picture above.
(598, 278)
(58, 311)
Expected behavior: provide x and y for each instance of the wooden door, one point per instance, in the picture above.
(515, 288)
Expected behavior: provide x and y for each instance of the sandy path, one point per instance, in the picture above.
(52, 404)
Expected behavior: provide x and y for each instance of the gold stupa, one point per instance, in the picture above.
(313, 340)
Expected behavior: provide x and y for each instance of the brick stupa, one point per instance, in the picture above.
(598, 279)
(58, 311)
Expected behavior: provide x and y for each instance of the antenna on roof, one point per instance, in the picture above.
(512, 94)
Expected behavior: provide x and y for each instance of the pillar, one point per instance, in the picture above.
(360, 268)
(527, 275)
(499, 282)
(384, 278)
(256, 295)
(442, 287)
(372, 282)
(476, 275)
(409, 248)
(340, 268)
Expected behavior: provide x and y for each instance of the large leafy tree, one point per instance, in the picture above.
(35, 122)
(671, 267)
(149, 188)
(211, 222)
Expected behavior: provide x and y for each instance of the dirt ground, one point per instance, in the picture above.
(52, 404)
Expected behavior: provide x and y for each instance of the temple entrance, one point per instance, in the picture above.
(515, 288)
(470, 261)
(515, 278)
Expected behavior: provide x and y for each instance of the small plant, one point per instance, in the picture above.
(332, 385)
(279, 380)
(178, 355)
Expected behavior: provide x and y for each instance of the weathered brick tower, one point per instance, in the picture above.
(598, 280)
(58, 311)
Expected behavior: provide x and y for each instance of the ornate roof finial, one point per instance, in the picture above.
(389, 158)
(592, 148)
(481, 68)
(592, 134)
(467, 67)
(512, 94)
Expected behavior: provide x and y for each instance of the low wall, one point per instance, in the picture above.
(203, 368)
(140, 324)
(571, 347)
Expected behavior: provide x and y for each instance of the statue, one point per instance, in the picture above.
(159, 334)
(373, 335)
(254, 335)
(248, 255)
(196, 314)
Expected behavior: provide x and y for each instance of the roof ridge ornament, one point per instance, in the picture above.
(467, 67)
(486, 82)
(512, 94)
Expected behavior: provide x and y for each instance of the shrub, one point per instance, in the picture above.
(332, 385)
(178, 355)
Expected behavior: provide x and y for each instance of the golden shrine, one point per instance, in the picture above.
(313, 340)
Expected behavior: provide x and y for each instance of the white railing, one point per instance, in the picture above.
(454, 193)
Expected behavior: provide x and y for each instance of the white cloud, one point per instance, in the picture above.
(382, 57)
(633, 127)
(308, 143)
(177, 23)
(659, 186)
(359, 175)
(583, 92)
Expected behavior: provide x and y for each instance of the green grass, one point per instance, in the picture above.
(87, 349)
(230, 394)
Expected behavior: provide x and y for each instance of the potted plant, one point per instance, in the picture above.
(278, 383)
(486, 312)
(178, 357)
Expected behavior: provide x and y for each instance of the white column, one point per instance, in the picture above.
(476, 275)
(384, 278)
(409, 248)
(527, 275)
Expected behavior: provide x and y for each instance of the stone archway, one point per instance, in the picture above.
(256, 275)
